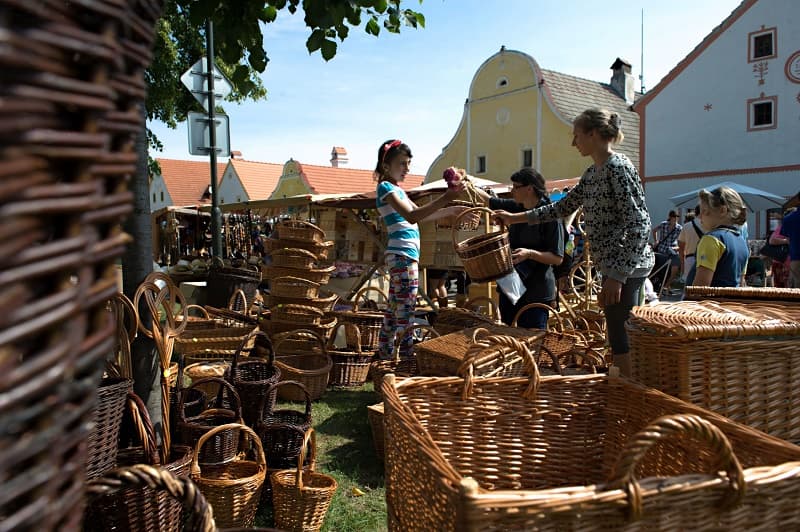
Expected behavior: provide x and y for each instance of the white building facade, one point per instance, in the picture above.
(730, 111)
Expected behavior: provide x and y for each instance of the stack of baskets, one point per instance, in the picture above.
(297, 252)
(740, 360)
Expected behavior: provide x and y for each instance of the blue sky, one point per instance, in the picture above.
(413, 85)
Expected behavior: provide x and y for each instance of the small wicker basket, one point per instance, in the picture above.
(350, 365)
(299, 230)
(297, 258)
(311, 369)
(295, 287)
(485, 257)
(316, 275)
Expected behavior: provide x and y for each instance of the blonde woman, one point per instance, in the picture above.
(721, 253)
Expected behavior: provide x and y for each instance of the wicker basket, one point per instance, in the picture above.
(275, 327)
(299, 230)
(478, 454)
(443, 356)
(401, 367)
(782, 296)
(141, 508)
(350, 365)
(197, 371)
(316, 275)
(225, 445)
(281, 431)
(369, 322)
(298, 315)
(375, 416)
(253, 380)
(485, 257)
(325, 302)
(232, 489)
(224, 281)
(450, 320)
(322, 250)
(296, 258)
(103, 438)
(295, 287)
(739, 360)
(311, 369)
(194, 342)
(302, 498)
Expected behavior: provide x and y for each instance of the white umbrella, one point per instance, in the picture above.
(755, 199)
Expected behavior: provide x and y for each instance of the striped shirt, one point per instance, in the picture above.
(403, 236)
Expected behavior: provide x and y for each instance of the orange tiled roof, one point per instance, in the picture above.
(187, 181)
(330, 180)
(258, 179)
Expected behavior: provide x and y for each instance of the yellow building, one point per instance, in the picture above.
(518, 114)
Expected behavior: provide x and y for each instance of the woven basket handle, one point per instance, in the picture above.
(123, 307)
(181, 489)
(494, 347)
(293, 383)
(364, 290)
(168, 299)
(463, 213)
(255, 333)
(402, 333)
(261, 460)
(237, 402)
(298, 334)
(548, 308)
(345, 324)
(238, 297)
(678, 425)
(144, 427)
(203, 312)
(493, 310)
(309, 441)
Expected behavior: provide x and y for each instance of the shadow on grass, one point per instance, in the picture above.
(345, 437)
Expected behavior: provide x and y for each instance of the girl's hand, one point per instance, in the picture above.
(454, 191)
(611, 293)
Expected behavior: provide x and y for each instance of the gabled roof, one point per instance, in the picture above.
(258, 179)
(699, 49)
(187, 181)
(330, 180)
(572, 95)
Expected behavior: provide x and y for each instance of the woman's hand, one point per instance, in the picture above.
(508, 218)
(611, 293)
(521, 254)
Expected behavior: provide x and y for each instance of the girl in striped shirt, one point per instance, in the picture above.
(400, 215)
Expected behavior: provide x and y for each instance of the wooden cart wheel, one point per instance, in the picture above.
(585, 282)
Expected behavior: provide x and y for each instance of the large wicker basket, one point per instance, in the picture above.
(297, 258)
(324, 302)
(449, 320)
(316, 275)
(320, 249)
(311, 369)
(781, 296)
(485, 257)
(559, 453)
(299, 230)
(291, 286)
(739, 360)
(224, 281)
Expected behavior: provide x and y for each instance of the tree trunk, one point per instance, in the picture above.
(137, 263)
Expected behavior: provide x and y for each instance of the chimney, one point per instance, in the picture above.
(622, 80)
(236, 155)
(338, 156)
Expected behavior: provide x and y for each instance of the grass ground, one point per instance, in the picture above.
(345, 451)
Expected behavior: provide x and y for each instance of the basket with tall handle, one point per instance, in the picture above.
(485, 257)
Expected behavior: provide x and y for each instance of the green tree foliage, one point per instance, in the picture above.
(239, 43)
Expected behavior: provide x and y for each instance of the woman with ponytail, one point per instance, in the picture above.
(617, 223)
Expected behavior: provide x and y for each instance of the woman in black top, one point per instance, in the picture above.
(535, 249)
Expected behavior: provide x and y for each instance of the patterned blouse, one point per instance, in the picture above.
(617, 221)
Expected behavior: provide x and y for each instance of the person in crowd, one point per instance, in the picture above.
(437, 287)
(687, 243)
(535, 249)
(616, 222)
(665, 236)
(721, 253)
(790, 228)
(400, 215)
(780, 269)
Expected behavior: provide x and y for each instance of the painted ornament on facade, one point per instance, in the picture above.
(760, 70)
(792, 68)
(708, 107)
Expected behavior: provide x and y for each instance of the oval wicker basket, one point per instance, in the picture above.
(485, 257)
(294, 287)
(325, 302)
(350, 366)
(299, 230)
(318, 275)
(311, 369)
(322, 249)
(298, 258)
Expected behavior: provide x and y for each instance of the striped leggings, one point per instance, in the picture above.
(403, 287)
